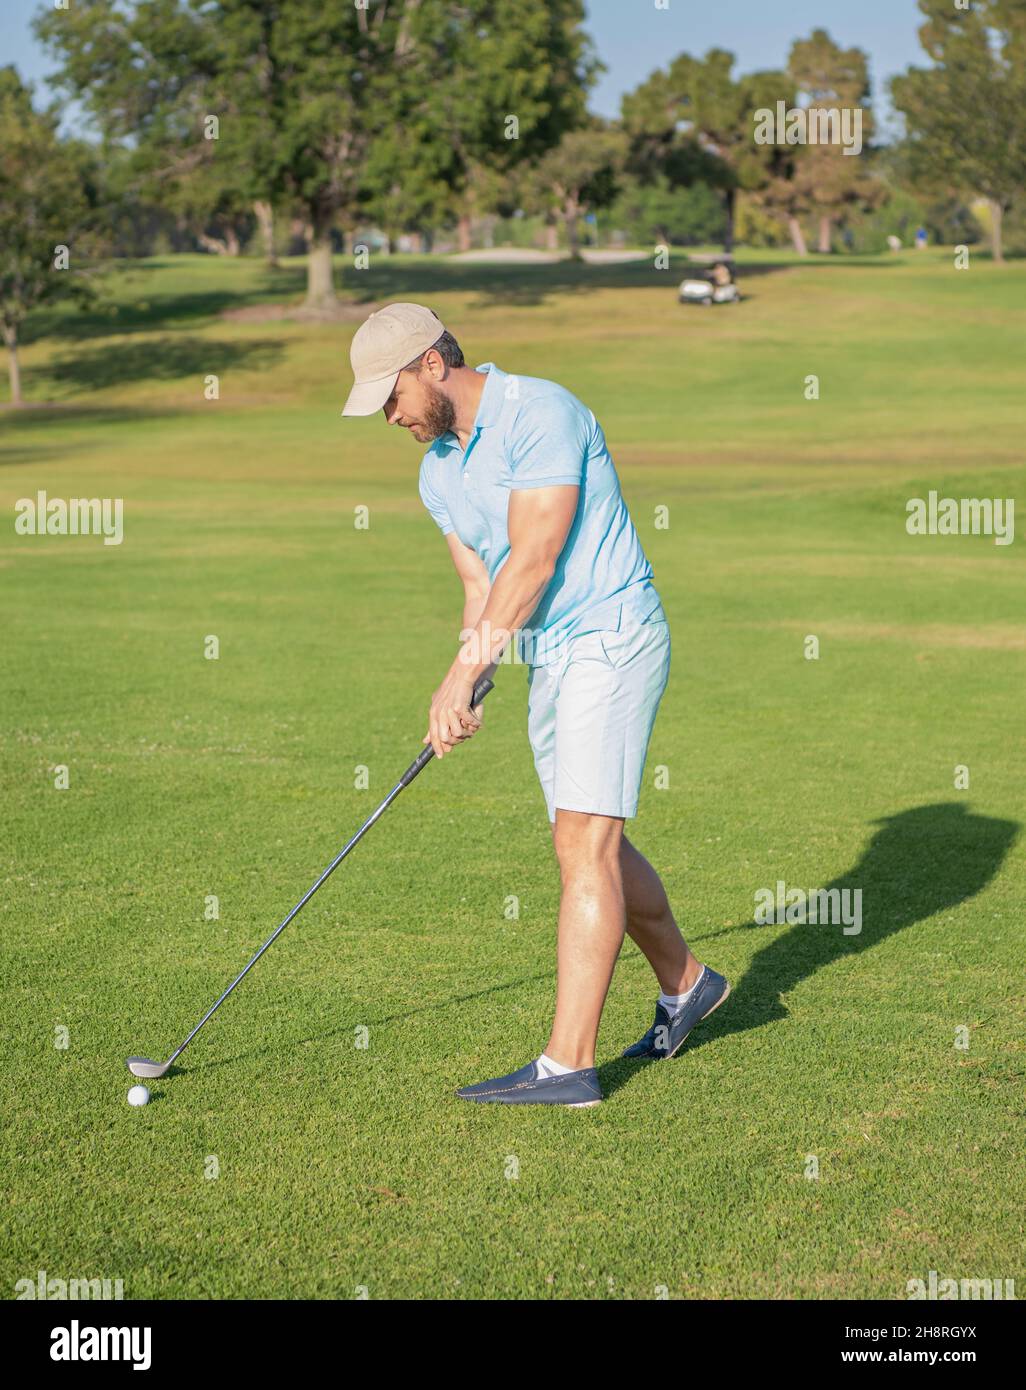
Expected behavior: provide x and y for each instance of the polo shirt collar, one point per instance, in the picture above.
(490, 405)
(488, 409)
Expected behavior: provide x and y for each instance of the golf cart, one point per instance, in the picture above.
(718, 288)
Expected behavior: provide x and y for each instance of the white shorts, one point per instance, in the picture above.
(590, 715)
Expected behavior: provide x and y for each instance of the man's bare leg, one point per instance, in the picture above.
(591, 927)
(607, 885)
(651, 924)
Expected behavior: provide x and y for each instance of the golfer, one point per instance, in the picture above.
(520, 481)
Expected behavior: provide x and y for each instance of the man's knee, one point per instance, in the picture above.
(586, 841)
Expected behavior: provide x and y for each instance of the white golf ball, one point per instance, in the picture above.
(138, 1095)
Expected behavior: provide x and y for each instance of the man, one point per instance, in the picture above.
(521, 484)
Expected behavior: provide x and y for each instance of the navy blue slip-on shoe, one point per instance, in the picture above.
(526, 1087)
(667, 1035)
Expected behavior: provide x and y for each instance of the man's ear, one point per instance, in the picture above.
(435, 364)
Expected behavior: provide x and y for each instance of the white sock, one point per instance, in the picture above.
(672, 1002)
(547, 1067)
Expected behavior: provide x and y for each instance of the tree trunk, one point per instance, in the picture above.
(463, 238)
(320, 286)
(297, 242)
(794, 227)
(571, 211)
(997, 216)
(213, 244)
(730, 207)
(13, 370)
(825, 231)
(231, 241)
(551, 236)
(264, 214)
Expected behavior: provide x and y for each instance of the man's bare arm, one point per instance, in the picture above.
(476, 584)
(538, 522)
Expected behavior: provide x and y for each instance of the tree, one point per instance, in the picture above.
(773, 174)
(827, 178)
(405, 191)
(577, 175)
(506, 82)
(694, 123)
(965, 117)
(784, 194)
(652, 210)
(45, 214)
(312, 98)
(298, 91)
(144, 76)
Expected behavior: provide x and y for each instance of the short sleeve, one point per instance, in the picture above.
(549, 443)
(433, 501)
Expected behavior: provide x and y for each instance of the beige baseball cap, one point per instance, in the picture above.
(382, 346)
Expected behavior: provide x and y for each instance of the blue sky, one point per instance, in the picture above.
(633, 37)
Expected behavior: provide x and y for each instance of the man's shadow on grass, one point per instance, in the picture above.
(918, 863)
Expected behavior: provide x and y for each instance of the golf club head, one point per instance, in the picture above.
(142, 1066)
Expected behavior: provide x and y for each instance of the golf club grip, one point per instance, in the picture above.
(481, 689)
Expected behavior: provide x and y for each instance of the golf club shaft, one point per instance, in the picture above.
(481, 689)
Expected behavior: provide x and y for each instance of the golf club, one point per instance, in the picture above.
(142, 1066)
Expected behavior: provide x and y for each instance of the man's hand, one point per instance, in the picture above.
(451, 720)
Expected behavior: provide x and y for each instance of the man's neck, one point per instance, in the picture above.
(466, 391)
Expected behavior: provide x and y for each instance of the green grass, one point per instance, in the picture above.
(340, 1166)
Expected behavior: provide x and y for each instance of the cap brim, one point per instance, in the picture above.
(369, 396)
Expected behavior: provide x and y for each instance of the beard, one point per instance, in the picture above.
(439, 417)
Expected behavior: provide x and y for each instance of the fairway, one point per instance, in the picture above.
(850, 1120)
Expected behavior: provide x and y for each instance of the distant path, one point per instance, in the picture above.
(524, 255)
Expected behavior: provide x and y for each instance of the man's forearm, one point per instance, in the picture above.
(473, 610)
(473, 607)
(510, 602)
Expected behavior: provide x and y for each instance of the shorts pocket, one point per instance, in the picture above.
(617, 645)
(633, 639)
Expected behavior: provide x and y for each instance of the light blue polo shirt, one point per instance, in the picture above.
(533, 433)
